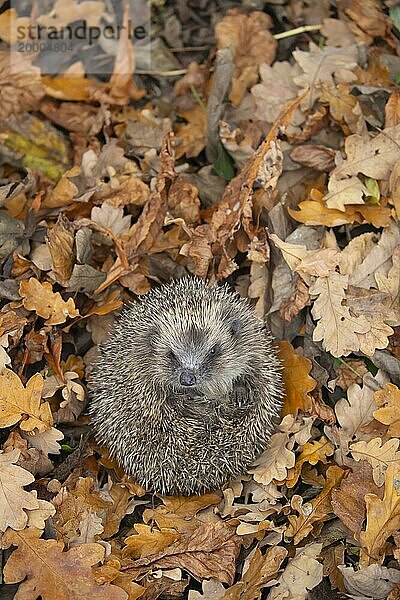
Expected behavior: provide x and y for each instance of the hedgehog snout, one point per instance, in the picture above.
(187, 378)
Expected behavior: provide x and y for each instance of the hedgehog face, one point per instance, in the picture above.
(197, 361)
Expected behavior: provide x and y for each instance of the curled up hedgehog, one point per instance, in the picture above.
(186, 388)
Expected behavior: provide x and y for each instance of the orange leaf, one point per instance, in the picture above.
(297, 380)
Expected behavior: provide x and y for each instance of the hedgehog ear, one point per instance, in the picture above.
(235, 326)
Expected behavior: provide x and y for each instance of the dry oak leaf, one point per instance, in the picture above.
(18, 402)
(348, 500)
(383, 517)
(312, 453)
(274, 462)
(252, 46)
(315, 511)
(378, 455)
(46, 303)
(148, 541)
(388, 399)
(210, 551)
(337, 328)
(373, 581)
(315, 212)
(258, 571)
(46, 571)
(14, 500)
(375, 156)
(297, 380)
(302, 573)
(179, 512)
(60, 242)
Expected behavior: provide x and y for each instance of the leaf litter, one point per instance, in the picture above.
(262, 146)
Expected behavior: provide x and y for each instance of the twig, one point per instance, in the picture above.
(297, 31)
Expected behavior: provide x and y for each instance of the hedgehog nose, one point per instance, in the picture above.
(187, 378)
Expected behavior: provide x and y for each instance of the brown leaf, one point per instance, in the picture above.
(191, 136)
(148, 541)
(348, 500)
(314, 156)
(315, 511)
(260, 569)
(302, 573)
(46, 303)
(315, 212)
(210, 551)
(46, 571)
(297, 380)
(252, 45)
(60, 241)
(383, 517)
(274, 462)
(392, 109)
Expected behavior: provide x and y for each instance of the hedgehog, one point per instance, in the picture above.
(186, 388)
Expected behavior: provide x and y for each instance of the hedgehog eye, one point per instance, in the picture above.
(171, 356)
(216, 349)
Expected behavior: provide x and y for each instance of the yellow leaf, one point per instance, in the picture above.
(383, 517)
(389, 413)
(312, 452)
(46, 303)
(17, 402)
(297, 380)
(147, 541)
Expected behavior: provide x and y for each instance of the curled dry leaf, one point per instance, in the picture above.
(311, 453)
(147, 541)
(46, 303)
(258, 572)
(383, 517)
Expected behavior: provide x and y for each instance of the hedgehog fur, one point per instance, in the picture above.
(186, 388)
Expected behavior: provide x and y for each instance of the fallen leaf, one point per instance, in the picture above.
(378, 455)
(297, 380)
(336, 327)
(383, 517)
(373, 581)
(312, 453)
(302, 573)
(348, 500)
(252, 44)
(315, 511)
(45, 570)
(46, 303)
(274, 462)
(14, 500)
(148, 541)
(18, 402)
(258, 572)
(388, 399)
(210, 551)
